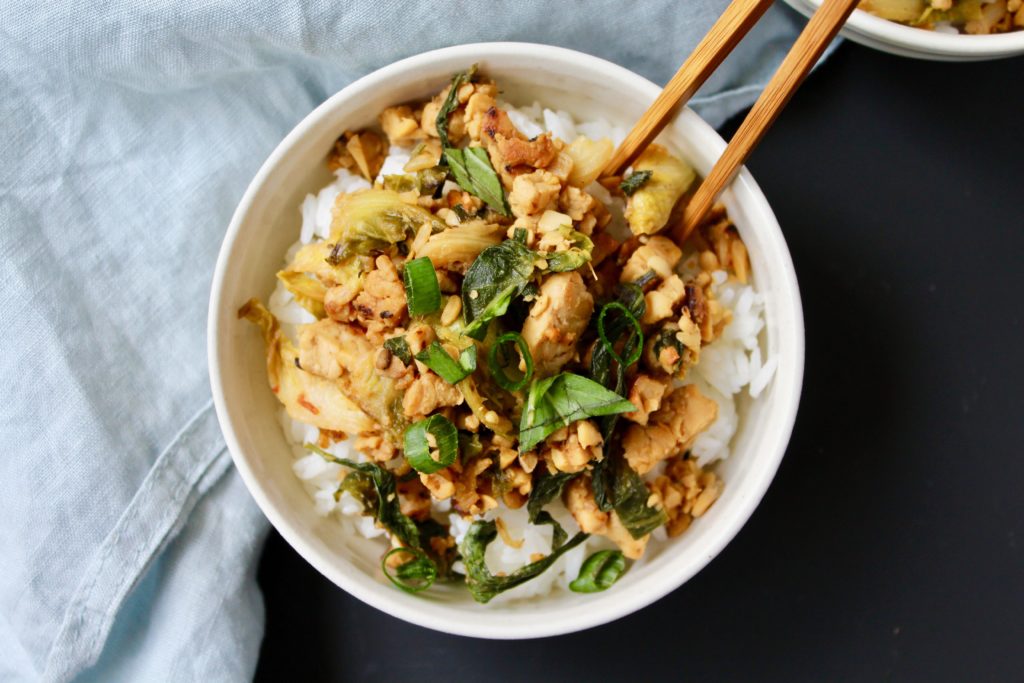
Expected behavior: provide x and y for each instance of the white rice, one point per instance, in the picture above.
(727, 366)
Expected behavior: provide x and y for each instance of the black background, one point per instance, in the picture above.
(890, 546)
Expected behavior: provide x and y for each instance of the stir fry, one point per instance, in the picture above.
(485, 337)
(977, 17)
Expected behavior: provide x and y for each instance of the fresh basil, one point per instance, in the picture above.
(398, 346)
(473, 172)
(603, 368)
(630, 495)
(559, 401)
(451, 102)
(482, 584)
(380, 500)
(634, 182)
(418, 451)
(546, 488)
(599, 572)
(446, 367)
(496, 276)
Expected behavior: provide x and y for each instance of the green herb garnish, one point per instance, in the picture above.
(634, 182)
(422, 292)
(599, 572)
(634, 344)
(627, 494)
(451, 103)
(376, 491)
(472, 170)
(606, 367)
(510, 360)
(413, 576)
(546, 488)
(482, 584)
(559, 401)
(398, 346)
(450, 370)
(421, 455)
(499, 274)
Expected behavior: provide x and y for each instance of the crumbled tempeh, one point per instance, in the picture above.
(557, 318)
(683, 415)
(579, 498)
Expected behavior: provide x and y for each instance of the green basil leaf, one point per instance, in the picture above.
(472, 170)
(630, 496)
(545, 489)
(446, 367)
(559, 401)
(418, 451)
(398, 346)
(599, 572)
(634, 182)
(482, 584)
(451, 102)
(603, 369)
(496, 276)
(384, 498)
(422, 292)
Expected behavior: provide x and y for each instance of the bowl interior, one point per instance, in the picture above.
(267, 222)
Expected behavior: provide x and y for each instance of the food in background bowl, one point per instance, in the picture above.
(975, 17)
(492, 359)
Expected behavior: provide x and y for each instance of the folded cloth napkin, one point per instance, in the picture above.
(128, 544)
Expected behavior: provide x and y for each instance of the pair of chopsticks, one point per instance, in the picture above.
(730, 28)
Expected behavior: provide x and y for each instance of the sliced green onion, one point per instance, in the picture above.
(418, 451)
(422, 292)
(398, 346)
(446, 367)
(633, 349)
(498, 372)
(416, 575)
(599, 572)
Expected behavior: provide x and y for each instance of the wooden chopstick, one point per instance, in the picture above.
(716, 45)
(809, 45)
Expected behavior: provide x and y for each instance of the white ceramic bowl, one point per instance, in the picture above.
(267, 221)
(907, 41)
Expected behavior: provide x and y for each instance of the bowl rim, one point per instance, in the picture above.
(428, 614)
(921, 42)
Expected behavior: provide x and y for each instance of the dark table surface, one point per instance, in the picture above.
(891, 544)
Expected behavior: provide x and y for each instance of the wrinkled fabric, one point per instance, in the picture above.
(128, 544)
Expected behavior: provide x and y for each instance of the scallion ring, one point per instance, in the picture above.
(634, 350)
(498, 372)
(599, 572)
(418, 574)
(426, 457)
(422, 293)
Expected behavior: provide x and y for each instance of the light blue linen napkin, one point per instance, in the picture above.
(128, 544)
